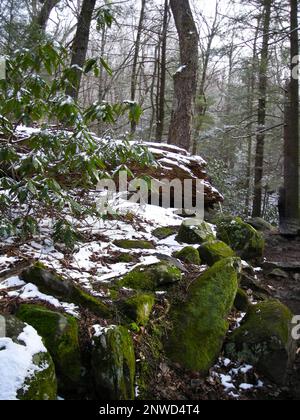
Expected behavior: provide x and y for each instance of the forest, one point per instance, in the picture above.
(150, 202)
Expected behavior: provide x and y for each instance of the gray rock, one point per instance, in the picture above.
(268, 266)
(113, 364)
(49, 282)
(30, 374)
(193, 231)
(264, 340)
(260, 224)
(277, 272)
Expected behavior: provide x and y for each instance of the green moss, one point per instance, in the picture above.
(151, 278)
(200, 324)
(113, 364)
(194, 232)
(90, 302)
(138, 308)
(214, 251)
(132, 244)
(264, 340)
(113, 294)
(153, 355)
(188, 255)
(125, 258)
(164, 232)
(49, 282)
(241, 302)
(60, 334)
(241, 237)
(42, 386)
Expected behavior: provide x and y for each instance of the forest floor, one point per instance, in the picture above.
(95, 261)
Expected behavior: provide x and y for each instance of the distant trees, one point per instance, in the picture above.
(262, 109)
(185, 78)
(162, 76)
(219, 93)
(291, 216)
(136, 58)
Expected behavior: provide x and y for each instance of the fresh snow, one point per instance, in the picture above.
(11, 282)
(16, 361)
(31, 292)
(99, 330)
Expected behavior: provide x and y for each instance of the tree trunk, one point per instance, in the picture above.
(291, 222)
(134, 74)
(250, 107)
(80, 43)
(44, 14)
(185, 79)
(262, 103)
(163, 73)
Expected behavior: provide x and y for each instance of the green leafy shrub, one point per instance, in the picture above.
(38, 170)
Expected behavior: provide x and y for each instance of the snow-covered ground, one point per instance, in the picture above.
(88, 264)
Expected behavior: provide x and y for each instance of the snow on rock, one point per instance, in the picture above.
(99, 330)
(31, 292)
(176, 163)
(11, 282)
(16, 361)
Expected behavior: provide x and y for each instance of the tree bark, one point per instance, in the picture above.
(163, 72)
(80, 44)
(291, 219)
(185, 79)
(134, 74)
(44, 14)
(250, 107)
(262, 103)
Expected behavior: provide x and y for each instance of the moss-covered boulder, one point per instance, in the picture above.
(113, 363)
(26, 368)
(193, 231)
(264, 340)
(51, 283)
(214, 251)
(188, 255)
(241, 237)
(242, 301)
(200, 324)
(60, 335)
(152, 277)
(138, 308)
(133, 244)
(260, 224)
(164, 232)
